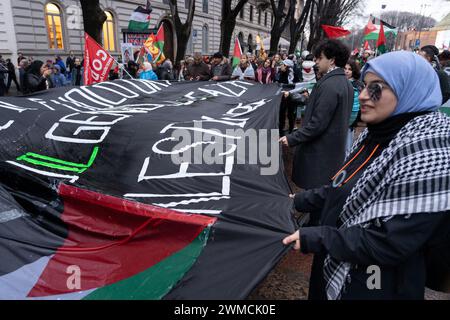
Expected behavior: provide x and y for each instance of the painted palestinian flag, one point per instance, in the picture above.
(107, 248)
(237, 53)
(381, 42)
(140, 19)
(372, 30)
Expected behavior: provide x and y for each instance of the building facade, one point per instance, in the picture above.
(438, 36)
(46, 28)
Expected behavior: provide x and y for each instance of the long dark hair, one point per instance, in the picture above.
(356, 73)
(35, 67)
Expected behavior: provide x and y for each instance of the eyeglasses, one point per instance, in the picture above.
(375, 89)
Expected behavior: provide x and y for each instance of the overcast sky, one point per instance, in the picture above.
(437, 9)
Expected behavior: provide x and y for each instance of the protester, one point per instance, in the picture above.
(220, 70)
(60, 62)
(286, 72)
(3, 74)
(23, 65)
(147, 72)
(321, 140)
(244, 70)
(58, 79)
(198, 70)
(265, 73)
(388, 205)
(276, 64)
(165, 71)
(11, 75)
(132, 69)
(37, 77)
(77, 73)
(307, 72)
(430, 54)
(352, 73)
(70, 62)
(20, 57)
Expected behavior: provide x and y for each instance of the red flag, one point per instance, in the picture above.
(97, 61)
(381, 42)
(366, 45)
(334, 32)
(237, 53)
(370, 27)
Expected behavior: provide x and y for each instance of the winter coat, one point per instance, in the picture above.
(200, 70)
(221, 70)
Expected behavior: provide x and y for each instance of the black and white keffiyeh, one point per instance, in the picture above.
(412, 175)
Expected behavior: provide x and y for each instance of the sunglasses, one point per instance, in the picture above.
(375, 89)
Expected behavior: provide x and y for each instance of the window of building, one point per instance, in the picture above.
(53, 19)
(205, 6)
(241, 13)
(265, 19)
(165, 1)
(251, 13)
(109, 38)
(205, 39)
(259, 16)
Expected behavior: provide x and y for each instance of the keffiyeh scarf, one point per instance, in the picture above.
(412, 175)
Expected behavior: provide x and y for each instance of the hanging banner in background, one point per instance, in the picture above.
(94, 205)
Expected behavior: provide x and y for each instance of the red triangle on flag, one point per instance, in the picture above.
(370, 27)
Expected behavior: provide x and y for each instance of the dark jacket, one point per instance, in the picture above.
(34, 83)
(221, 70)
(399, 247)
(198, 70)
(321, 140)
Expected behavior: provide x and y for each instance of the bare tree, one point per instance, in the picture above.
(93, 18)
(280, 21)
(330, 12)
(228, 23)
(182, 30)
(296, 27)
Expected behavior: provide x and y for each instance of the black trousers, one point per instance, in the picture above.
(11, 79)
(287, 106)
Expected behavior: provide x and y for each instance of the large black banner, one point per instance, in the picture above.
(138, 189)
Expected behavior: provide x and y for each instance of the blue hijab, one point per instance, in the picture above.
(413, 79)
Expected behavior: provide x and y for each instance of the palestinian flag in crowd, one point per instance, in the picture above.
(335, 32)
(372, 30)
(92, 205)
(237, 53)
(160, 45)
(381, 41)
(140, 18)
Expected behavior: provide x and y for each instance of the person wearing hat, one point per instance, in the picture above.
(220, 70)
(385, 226)
(147, 73)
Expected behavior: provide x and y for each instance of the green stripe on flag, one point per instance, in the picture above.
(138, 26)
(156, 281)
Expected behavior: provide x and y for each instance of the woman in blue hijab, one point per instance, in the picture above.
(390, 201)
